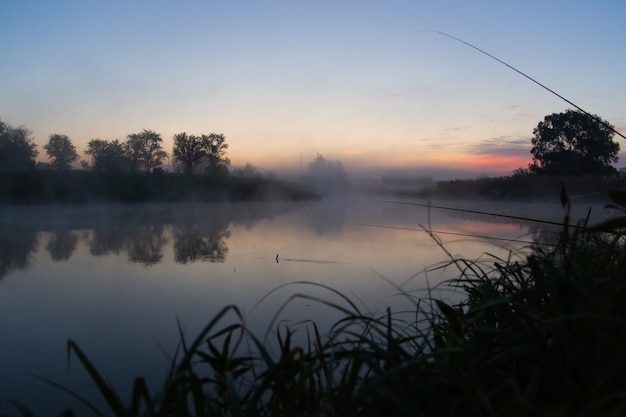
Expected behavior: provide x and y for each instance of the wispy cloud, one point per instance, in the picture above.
(454, 129)
(502, 146)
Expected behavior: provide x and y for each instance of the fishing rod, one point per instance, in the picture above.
(596, 118)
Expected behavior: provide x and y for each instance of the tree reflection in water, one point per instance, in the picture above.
(199, 232)
(327, 218)
(142, 236)
(142, 243)
(193, 242)
(18, 242)
(107, 238)
(62, 244)
(146, 244)
(218, 248)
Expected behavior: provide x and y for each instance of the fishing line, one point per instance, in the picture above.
(528, 219)
(412, 229)
(597, 119)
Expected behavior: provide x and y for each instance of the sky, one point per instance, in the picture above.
(372, 84)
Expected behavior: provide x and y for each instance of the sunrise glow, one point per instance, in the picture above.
(283, 81)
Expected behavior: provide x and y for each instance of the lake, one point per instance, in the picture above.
(116, 278)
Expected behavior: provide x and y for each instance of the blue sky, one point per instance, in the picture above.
(363, 82)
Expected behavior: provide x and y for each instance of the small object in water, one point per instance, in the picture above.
(277, 258)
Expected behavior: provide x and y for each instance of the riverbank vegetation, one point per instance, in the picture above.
(37, 187)
(517, 187)
(133, 171)
(572, 148)
(520, 187)
(539, 335)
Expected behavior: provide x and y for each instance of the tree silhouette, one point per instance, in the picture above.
(249, 171)
(575, 143)
(145, 150)
(17, 148)
(325, 169)
(108, 156)
(61, 151)
(325, 175)
(216, 147)
(189, 150)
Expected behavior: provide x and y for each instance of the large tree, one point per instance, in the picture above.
(61, 151)
(216, 147)
(17, 148)
(145, 150)
(573, 143)
(189, 150)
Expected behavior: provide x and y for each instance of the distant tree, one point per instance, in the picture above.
(17, 148)
(249, 171)
(573, 143)
(522, 172)
(189, 150)
(96, 149)
(108, 156)
(325, 175)
(61, 151)
(323, 169)
(216, 147)
(145, 150)
(134, 150)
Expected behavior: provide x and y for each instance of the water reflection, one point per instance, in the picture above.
(142, 233)
(62, 244)
(132, 307)
(202, 232)
(108, 239)
(194, 242)
(328, 218)
(18, 242)
(542, 222)
(146, 244)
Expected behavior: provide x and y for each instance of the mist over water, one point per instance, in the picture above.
(115, 278)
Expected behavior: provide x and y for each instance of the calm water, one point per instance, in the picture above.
(116, 278)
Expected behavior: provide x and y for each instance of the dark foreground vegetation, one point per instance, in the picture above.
(536, 335)
(36, 187)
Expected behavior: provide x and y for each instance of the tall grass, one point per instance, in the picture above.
(540, 336)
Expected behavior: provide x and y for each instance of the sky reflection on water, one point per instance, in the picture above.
(116, 278)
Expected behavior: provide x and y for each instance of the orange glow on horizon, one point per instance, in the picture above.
(492, 162)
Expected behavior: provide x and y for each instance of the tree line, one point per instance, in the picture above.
(567, 143)
(141, 152)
